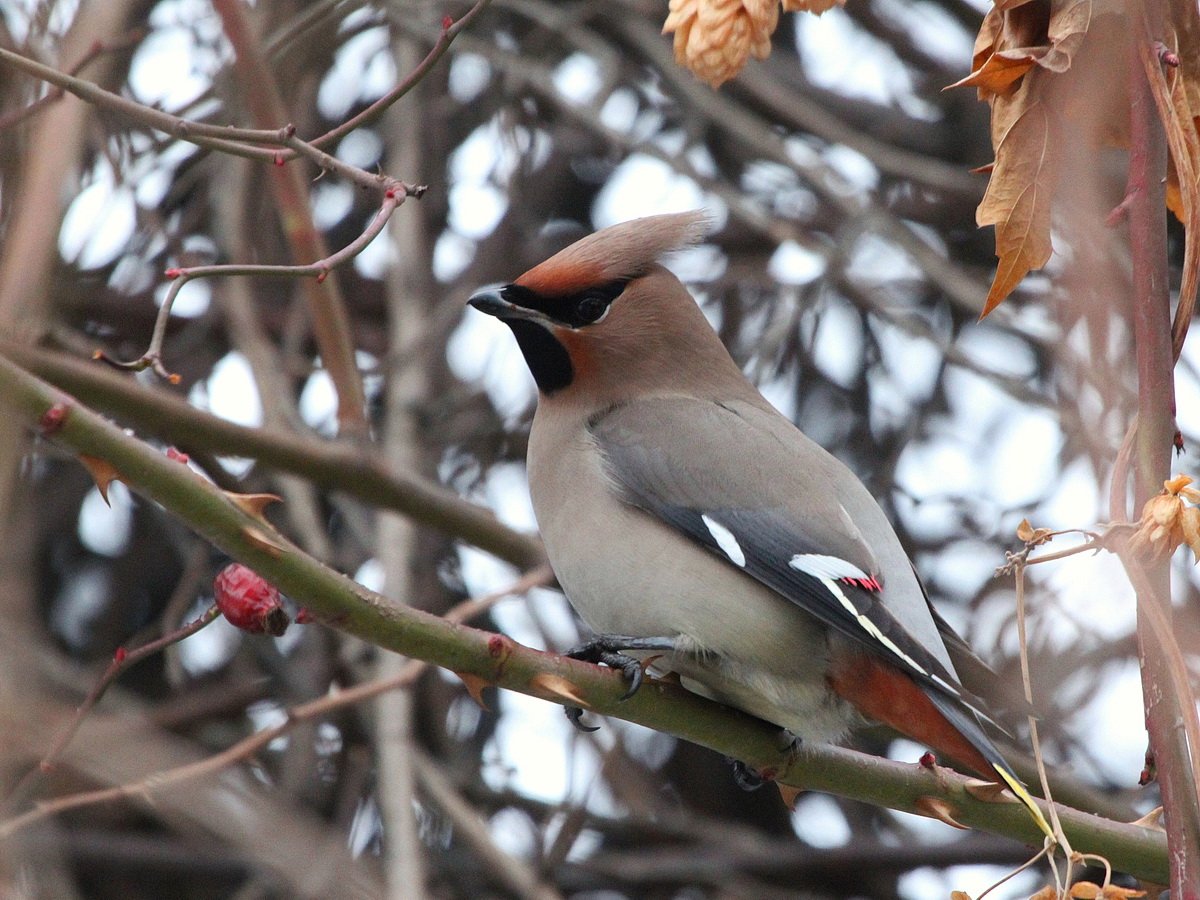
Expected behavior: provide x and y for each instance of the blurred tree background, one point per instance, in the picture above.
(844, 271)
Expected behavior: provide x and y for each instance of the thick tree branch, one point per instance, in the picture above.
(1170, 706)
(336, 466)
(342, 603)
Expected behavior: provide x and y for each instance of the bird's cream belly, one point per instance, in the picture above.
(739, 642)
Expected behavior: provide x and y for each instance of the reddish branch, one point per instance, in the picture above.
(1169, 704)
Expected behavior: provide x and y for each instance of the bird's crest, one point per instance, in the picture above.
(618, 252)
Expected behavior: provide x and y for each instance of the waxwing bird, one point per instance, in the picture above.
(684, 515)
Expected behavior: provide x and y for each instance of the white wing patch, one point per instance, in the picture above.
(725, 540)
(872, 629)
(819, 566)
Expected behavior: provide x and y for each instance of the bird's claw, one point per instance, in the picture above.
(575, 717)
(745, 777)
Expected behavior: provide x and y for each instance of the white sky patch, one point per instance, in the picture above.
(469, 75)
(370, 575)
(577, 78)
(874, 262)
(644, 186)
(1022, 457)
(927, 884)
(1095, 591)
(852, 166)
(192, 300)
(132, 275)
(81, 598)
(232, 393)
(997, 351)
(318, 403)
(476, 208)
(374, 259)
(104, 528)
(361, 70)
(976, 403)
(837, 344)
(890, 409)
(939, 33)
(482, 351)
(794, 264)
(1187, 391)
(508, 485)
(1114, 707)
(153, 186)
(959, 569)
(781, 394)
(819, 821)
(362, 147)
(913, 362)
(620, 110)
(696, 264)
(452, 253)
(211, 648)
(167, 69)
(514, 833)
(99, 222)
(331, 202)
(532, 753)
(838, 55)
(1074, 501)
(936, 468)
(725, 540)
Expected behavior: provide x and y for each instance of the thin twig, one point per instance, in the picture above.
(152, 358)
(98, 49)
(122, 660)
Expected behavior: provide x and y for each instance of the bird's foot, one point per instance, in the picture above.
(744, 776)
(751, 779)
(609, 650)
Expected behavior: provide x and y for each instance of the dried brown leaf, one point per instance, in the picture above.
(1026, 133)
(1034, 537)
(715, 38)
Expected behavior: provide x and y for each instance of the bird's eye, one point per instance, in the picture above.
(591, 308)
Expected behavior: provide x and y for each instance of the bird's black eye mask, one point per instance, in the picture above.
(586, 307)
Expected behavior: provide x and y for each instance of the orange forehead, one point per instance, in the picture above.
(553, 279)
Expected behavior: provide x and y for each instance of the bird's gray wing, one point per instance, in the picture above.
(765, 501)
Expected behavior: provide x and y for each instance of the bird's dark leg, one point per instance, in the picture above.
(608, 649)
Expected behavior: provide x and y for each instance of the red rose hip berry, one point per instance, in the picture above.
(248, 602)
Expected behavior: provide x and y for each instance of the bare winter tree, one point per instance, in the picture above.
(235, 247)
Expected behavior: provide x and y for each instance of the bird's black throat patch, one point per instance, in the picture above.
(547, 359)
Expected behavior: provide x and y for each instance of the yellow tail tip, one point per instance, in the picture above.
(1026, 799)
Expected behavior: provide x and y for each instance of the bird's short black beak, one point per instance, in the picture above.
(490, 300)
